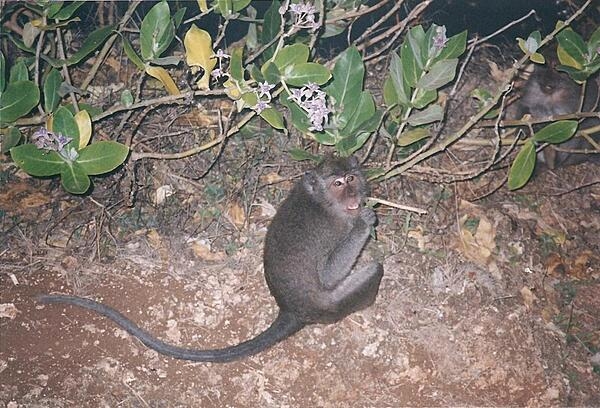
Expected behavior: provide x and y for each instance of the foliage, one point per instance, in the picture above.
(271, 73)
(578, 59)
(426, 63)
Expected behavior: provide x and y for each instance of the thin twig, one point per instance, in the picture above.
(107, 46)
(395, 205)
(506, 27)
(65, 69)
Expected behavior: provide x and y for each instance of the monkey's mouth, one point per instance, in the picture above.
(353, 207)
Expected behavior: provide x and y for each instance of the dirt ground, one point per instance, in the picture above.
(485, 303)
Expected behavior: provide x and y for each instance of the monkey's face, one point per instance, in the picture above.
(346, 193)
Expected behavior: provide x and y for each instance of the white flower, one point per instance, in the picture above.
(261, 106)
(264, 89)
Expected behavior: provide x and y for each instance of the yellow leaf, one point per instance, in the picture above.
(232, 90)
(37, 23)
(236, 214)
(565, 58)
(163, 76)
(203, 6)
(84, 123)
(199, 53)
(154, 239)
(528, 297)
(203, 251)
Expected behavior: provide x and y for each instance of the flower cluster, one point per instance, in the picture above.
(440, 39)
(45, 140)
(304, 16)
(263, 91)
(218, 73)
(313, 101)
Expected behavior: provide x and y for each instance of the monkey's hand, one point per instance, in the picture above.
(368, 216)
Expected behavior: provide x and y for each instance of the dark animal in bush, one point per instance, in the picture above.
(549, 93)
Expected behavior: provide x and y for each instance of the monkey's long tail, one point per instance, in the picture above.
(284, 326)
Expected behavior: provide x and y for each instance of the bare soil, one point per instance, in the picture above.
(486, 303)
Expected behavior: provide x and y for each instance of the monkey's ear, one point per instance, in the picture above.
(310, 181)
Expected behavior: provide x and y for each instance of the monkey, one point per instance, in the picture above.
(547, 93)
(311, 247)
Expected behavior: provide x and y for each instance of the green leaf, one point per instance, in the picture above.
(250, 98)
(440, 74)
(398, 80)
(333, 28)
(427, 49)
(53, 7)
(418, 44)
(412, 136)
(154, 31)
(166, 61)
(164, 40)
(349, 145)
(300, 155)
(522, 168)
(224, 7)
(389, 93)
(454, 47)
(557, 132)
(412, 71)
(92, 110)
(19, 72)
(251, 38)
(51, 87)
(273, 118)
(271, 73)
(132, 55)
(2, 72)
(347, 83)
(298, 117)
(10, 139)
(239, 5)
(326, 138)
(127, 98)
(36, 162)
(303, 74)
(64, 123)
(178, 17)
(102, 157)
(291, 54)
(236, 68)
(364, 110)
(431, 114)
(91, 43)
(17, 100)
(74, 179)
(255, 73)
(271, 26)
(422, 98)
(67, 11)
(594, 41)
(371, 124)
(361, 139)
(573, 44)
(574, 73)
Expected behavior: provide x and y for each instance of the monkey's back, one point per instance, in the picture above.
(299, 240)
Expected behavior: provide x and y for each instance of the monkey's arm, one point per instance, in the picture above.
(340, 261)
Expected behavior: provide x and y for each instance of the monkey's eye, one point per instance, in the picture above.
(349, 178)
(338, 182)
